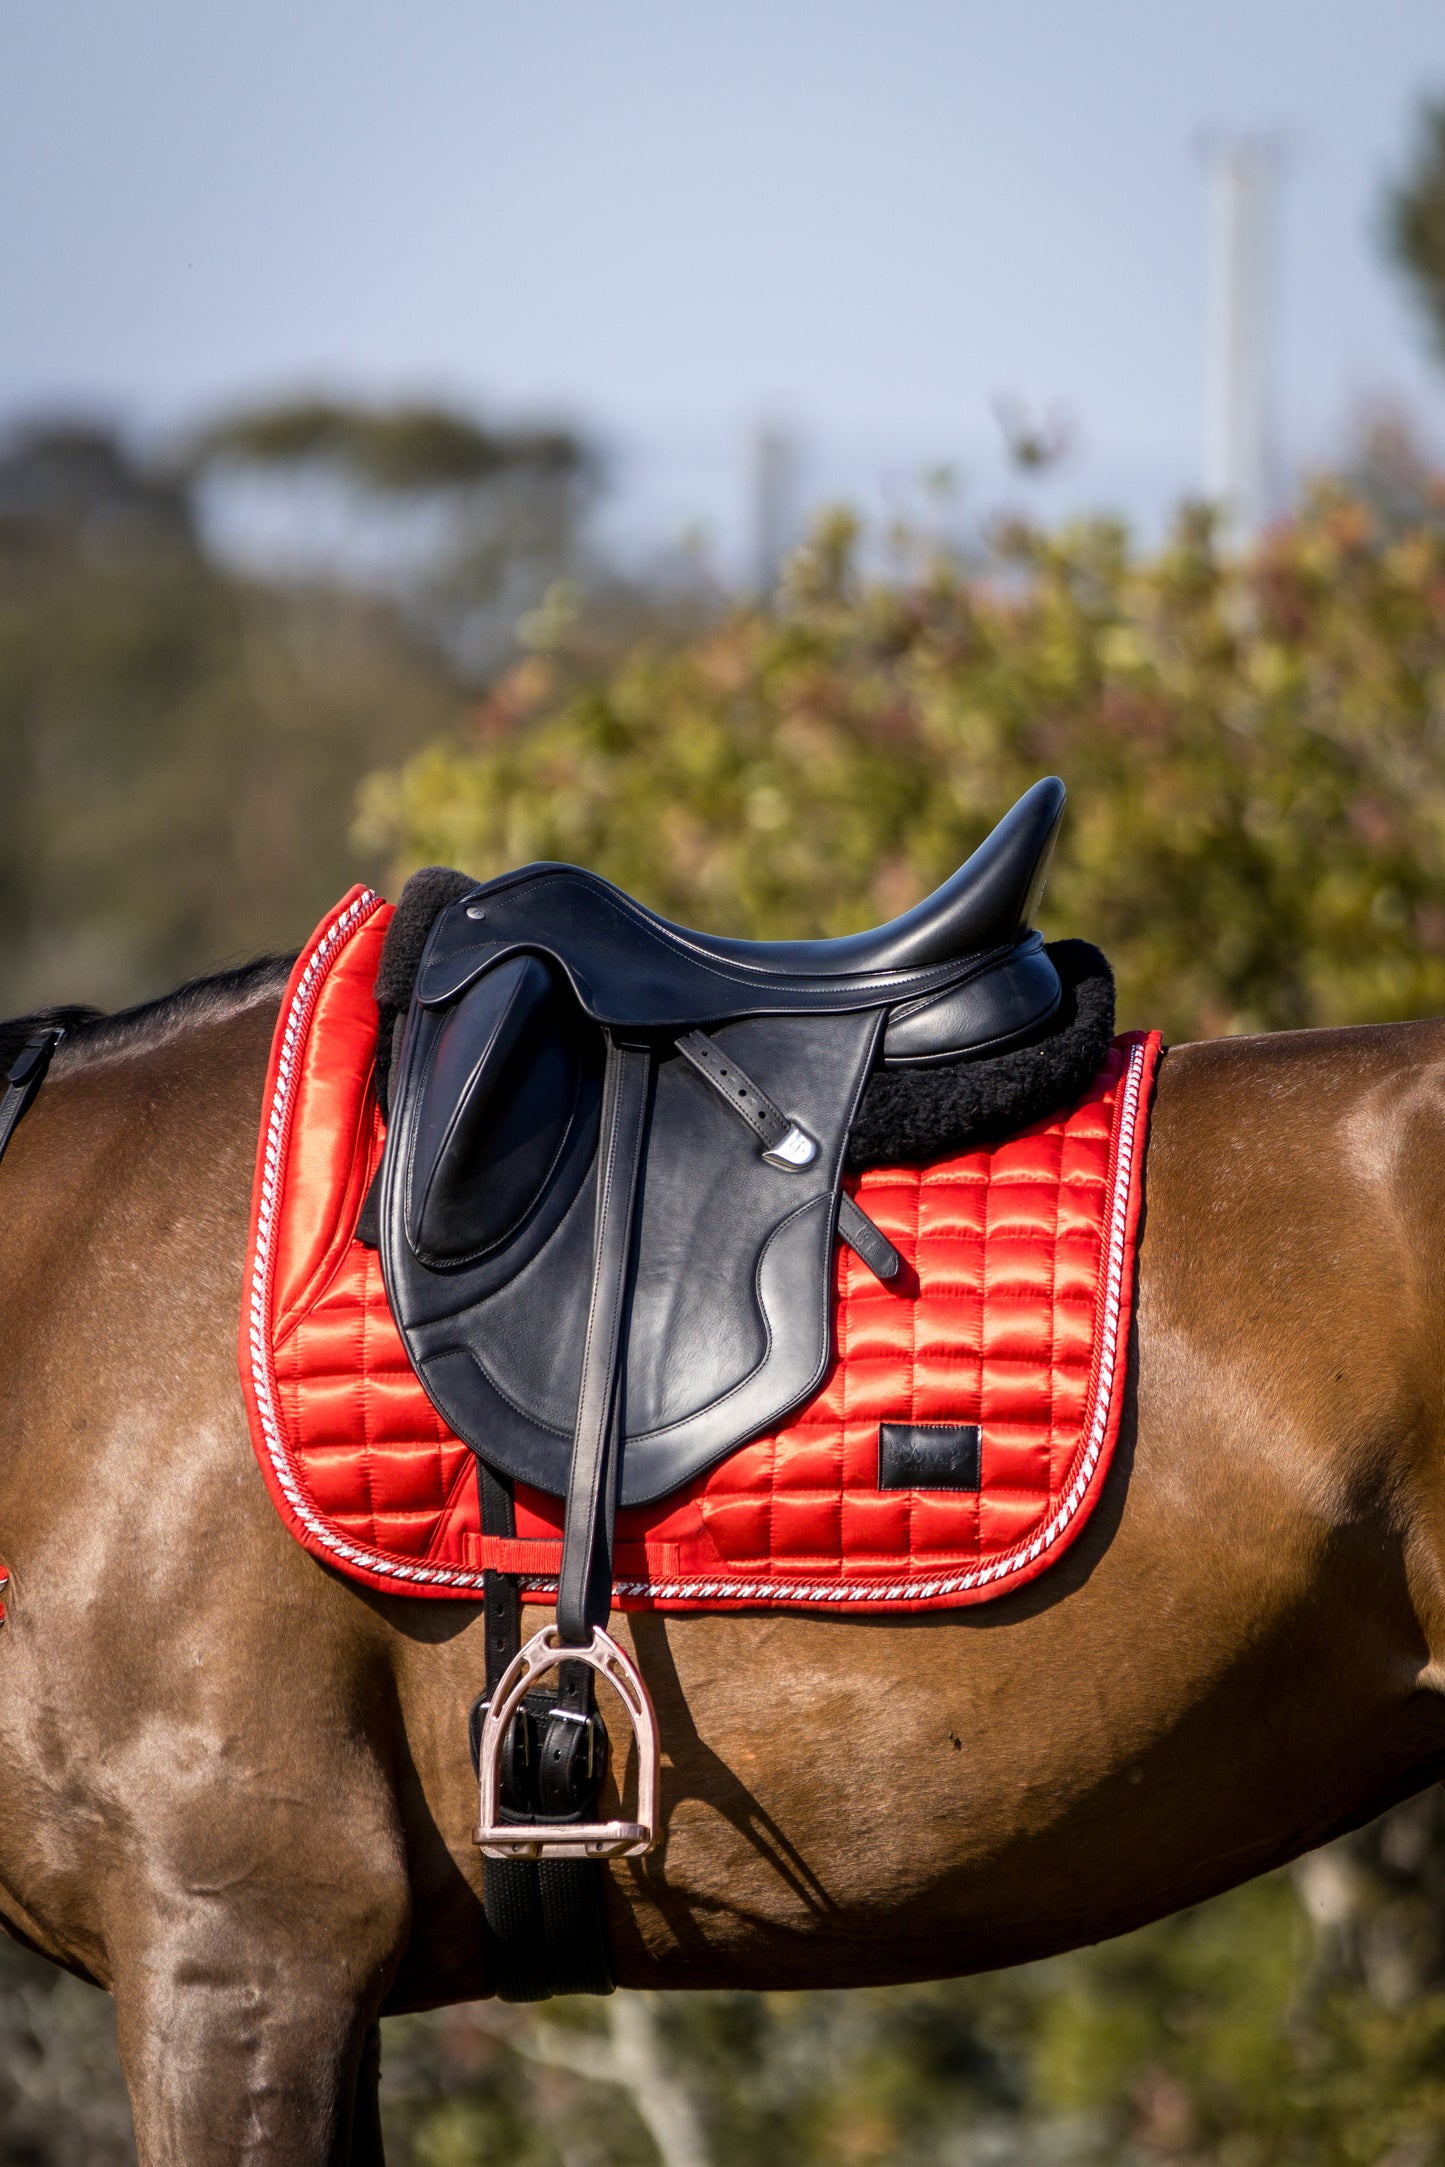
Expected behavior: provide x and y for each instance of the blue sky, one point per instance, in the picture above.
(665, 221)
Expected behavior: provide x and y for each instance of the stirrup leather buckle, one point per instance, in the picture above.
(498, 1839)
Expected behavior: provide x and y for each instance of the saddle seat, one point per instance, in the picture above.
(629, 967)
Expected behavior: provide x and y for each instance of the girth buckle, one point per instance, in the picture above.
(498, 1839)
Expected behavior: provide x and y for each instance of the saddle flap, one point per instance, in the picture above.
(503, 1087)
(730, 1288)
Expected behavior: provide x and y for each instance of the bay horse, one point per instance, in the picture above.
(237, 1790)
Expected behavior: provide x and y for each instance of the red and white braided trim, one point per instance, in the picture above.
(383, 1565)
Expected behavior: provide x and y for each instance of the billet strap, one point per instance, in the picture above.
(547, 1927)
(501, 1594)
(785, 1144)
(584, 1588)
(26, 1075)
(867, 1240)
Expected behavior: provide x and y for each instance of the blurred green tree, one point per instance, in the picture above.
(1255, 749)
(179, 744)
(467, 525)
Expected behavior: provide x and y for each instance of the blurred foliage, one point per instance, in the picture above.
(1390, 469)
(1300, 2019)
(1254, 746)
(179, 748)
(401, 449)
(1415, 220)
(62, 2101)
(471, 523)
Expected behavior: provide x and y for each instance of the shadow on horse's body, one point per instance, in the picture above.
(237, 1789)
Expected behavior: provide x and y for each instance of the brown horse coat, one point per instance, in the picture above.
(237, 1789)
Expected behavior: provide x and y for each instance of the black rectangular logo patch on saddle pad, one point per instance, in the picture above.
(928, 1456)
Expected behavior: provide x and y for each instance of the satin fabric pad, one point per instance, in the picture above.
(1014, 1317)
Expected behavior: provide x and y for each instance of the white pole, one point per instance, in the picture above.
(773, 478)
(1237, 420)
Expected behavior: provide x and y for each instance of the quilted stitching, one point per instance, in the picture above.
(1019, 1305)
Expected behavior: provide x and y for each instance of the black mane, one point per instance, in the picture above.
(149, 1023)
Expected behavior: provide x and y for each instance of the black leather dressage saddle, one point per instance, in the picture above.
(610, 1189)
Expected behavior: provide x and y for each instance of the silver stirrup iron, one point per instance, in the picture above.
(499, 1839)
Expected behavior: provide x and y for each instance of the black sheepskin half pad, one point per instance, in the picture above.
(909, 1115)
(423, 899)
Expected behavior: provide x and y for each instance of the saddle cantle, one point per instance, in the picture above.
(543, 995)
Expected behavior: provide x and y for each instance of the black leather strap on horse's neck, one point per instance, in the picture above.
(26, 1075)
(584, 1588)
(546, 1924)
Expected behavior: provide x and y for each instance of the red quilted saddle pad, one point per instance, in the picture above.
(1016, 1319)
